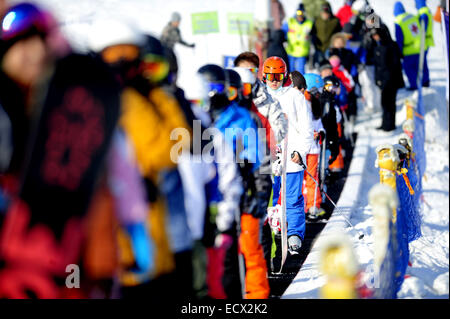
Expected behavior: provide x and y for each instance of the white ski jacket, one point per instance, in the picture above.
(270, 108)
(300, 127)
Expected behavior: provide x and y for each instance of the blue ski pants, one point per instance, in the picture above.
(297, 64)
(295, 207)
(411, 68)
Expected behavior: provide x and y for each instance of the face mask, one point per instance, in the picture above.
(274, 91)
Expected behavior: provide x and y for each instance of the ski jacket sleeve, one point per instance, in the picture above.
(270, 109)
(303, 125)
(399, 36)
(229, 184)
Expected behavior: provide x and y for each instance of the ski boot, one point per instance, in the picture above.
(315, 213)
(294, 244)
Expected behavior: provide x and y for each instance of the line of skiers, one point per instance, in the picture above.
(152, 192)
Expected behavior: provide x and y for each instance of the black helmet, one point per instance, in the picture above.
(154, 60)
(216, 77)
(234, 85)
(213, 73)
(331, 83)
(234, 79)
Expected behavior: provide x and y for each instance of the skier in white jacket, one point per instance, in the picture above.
(300, 138)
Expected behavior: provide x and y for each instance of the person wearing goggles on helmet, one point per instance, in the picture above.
(230, 118)
(260, 185)
(149, 115)
(300, 139)
(269, 108)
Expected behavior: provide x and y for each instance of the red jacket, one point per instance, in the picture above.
(344, 14)
(347, 80)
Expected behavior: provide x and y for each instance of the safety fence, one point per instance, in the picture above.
(401, 167)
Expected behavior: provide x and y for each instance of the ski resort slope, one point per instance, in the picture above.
(428, 275)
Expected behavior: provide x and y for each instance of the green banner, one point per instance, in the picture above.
(205, 22)
(240, 23)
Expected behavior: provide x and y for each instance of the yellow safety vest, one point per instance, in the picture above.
(298, 44)
(411, 33)
(429, 41)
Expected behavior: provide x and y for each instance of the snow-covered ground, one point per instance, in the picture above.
(429, 275)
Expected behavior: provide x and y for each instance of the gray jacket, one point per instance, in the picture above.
(172, 35)
(271, 110)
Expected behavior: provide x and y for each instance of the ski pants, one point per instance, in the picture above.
(295, 210)
(222, 271)
(388, 101)
(338, 163)
(297, 64)
(256, 282)
(309, 186)
(426, 72)
(369, 90)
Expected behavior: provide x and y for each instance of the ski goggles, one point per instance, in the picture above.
(115, 53)
(274, 77)
(253, 70)
(330, 86)
(246, 89)
(300, 12)
(21, 19)
(154, 67)
(216, 88)
(232, 93)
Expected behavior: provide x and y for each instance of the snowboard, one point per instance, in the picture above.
(283, 219)
(71, 128)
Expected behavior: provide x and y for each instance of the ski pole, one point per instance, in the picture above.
(360, 234)
(347, 123)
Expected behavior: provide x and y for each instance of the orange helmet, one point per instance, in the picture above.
(275, 65)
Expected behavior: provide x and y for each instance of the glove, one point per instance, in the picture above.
(192, 45)
(300, 158)
(141, 245)
(319, 136)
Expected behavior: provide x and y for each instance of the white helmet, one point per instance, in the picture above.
(359, 6)
(198, 92)
(246, 75)
(109, 32)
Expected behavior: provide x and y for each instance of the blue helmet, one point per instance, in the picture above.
(313, 81)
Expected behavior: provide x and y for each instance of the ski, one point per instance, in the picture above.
(283, 219)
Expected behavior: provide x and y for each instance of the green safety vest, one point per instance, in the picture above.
(429, 41)
(298, 45)
(411, 33)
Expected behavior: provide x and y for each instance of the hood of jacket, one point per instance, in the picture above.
(398, 8)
